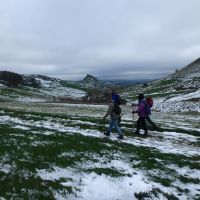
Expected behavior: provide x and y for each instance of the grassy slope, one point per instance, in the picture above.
(13, 94)
(27, 151)
(164, 88)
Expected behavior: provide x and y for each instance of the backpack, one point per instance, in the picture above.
(117, 98)
(149, 100)
(121, 101)
(147, 107)
(117, 109)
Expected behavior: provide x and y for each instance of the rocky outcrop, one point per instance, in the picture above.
(10, 79)
(31, 81)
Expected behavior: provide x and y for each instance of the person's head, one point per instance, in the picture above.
(140, 96)
(148, 98)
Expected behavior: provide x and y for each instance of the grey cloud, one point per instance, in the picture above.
(104, 38)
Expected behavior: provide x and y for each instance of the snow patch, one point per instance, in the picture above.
(98, 187)
(191, 95)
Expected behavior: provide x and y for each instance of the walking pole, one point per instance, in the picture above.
(133, 112)
(120, 119)
(133, 121)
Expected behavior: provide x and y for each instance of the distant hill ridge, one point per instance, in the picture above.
(191, 71)
(177, 92)
(91, 81)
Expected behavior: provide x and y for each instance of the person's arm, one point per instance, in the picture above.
(134, 105)
(108, 112)
(106, 115)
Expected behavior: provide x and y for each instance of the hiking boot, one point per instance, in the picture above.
(145, 135)
(107, 133)
(120, 137)
(137, 133)
(155, 127)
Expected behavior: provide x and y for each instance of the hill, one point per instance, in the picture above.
(38, 88)
(177, 92)
(58, 150)
(91, 82)
(190, 71)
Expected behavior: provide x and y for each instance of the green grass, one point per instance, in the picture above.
(11, 94)
(26, 152)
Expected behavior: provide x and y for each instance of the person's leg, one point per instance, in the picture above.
(109, 128)
(151, 122)
(138, 126)
(143, 123)
(119, 122)
(111, 125)
(115, 123)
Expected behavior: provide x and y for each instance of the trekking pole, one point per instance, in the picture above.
(133, 112)
(133, 121)
(120, 119)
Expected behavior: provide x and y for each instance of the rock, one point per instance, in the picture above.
(10, 78)
(31, 82)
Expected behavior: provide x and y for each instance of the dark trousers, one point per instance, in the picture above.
(150, 122)
(141, 123)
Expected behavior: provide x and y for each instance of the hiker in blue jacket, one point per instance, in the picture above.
(114, 116)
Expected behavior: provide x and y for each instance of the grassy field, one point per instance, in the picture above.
(58, 151)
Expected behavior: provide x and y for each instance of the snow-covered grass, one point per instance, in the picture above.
(58, 151)
(45, 93)
(54, 88)
(170, 95)
(189, 96)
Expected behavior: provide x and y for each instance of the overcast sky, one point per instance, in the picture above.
(124, 39)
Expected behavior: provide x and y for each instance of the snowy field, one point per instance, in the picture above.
(58, 151)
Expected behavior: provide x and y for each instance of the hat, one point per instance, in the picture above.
(140, 96)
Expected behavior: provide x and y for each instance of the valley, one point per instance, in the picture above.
(53, 146)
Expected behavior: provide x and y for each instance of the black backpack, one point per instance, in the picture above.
(117, 109)
(121, 101)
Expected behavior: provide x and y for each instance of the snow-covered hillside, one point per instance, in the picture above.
(53, 150)
(177, 92)
(190, 71)
(55, 88)
(91, 82)
(48, 89)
